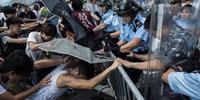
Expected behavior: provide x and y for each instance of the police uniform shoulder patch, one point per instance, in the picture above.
(138, 23)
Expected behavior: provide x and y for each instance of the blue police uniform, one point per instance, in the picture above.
(113, 23)
(185, 83)
(135, 30)
(106, 15)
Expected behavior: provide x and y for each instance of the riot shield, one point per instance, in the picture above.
(174, 38)
(61, 8)
(144, 4)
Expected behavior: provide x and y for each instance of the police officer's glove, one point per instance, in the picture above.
(105, 37)
(116, 48)
(111, 43)
(90, 32)
(107, 48)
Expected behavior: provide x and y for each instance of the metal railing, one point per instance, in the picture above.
(123, 87)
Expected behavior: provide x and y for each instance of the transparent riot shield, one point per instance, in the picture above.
(174, 39)
(144, 4)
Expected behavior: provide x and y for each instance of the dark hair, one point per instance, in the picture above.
(106, 3)
(13, 21)
(18, 62)
(15, 5)
(77, 5)
(86, 69)
(188, 6)
(8, 10)
(36, 7)
(49, 29)
(174, 2)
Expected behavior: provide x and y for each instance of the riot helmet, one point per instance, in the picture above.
(9, 11)
(127, 7)
(106, 3)
(77, 5)
(174, 1)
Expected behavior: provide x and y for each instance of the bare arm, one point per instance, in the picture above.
(166, 74)
(130, 45)
(143, 57)
(153, 64)
(33, 46)
(32, 25)
(18, 40)
(3, 29)
(120, 43)
(73, 82)
(23, 95)
(100, 27)
(115, 34)
(46, 63)
(95, 17)
(29, 24)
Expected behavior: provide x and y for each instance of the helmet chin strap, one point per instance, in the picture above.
(106, 10)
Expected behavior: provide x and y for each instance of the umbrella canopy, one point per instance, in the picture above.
(64, 46)
(61, 8)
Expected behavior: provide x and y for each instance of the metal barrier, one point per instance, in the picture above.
(122, 86)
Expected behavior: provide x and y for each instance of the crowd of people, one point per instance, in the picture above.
(157, 48)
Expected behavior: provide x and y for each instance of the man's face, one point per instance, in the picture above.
(93, 1)
(12, 76)
(26, 9)
(46, 38)
(175, 8)
(127, 19)
(103, 8)
(185, 14)
(75, 72)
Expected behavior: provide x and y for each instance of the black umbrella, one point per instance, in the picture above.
(65, 46)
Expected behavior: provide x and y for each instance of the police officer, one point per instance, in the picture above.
(110, 22)
(106, 7)
(133, 36)
(175, 8)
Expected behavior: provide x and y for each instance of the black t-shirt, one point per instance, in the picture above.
(8, 48)
(29, 15)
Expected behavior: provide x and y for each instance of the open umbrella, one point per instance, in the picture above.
(65, 46)
(61, 8)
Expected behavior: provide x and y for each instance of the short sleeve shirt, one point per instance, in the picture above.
(36, 38)
(135, 30)
(107, 15)
(2, 90)
(185, 83)
(113, 23)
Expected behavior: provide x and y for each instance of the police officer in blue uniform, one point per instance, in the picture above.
(106, 7)
(111, 27)
(110, 22)
(133, 36)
